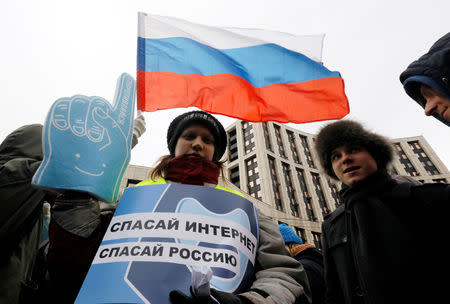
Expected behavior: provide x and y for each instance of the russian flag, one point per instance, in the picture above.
(225, 71)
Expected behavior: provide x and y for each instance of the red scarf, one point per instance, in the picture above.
(192, 170)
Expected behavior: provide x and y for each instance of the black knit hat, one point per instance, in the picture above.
(183, 121)
(350, 133)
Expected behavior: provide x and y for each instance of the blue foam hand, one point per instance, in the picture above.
(87, 142)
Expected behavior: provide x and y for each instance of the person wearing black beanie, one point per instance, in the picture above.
(197, 141)
(370, 248)
(183, 121)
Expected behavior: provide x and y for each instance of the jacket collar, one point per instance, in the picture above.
(375, 182)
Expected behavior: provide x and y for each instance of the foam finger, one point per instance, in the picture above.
(124, 103)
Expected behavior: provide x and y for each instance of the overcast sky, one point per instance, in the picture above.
(52, 49)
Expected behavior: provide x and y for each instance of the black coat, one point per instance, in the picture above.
(312, 261)
(20, 214)
(383, 245)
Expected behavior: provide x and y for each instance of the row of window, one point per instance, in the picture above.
(254, 187)
(249, 143)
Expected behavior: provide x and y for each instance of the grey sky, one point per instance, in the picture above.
(53, 49)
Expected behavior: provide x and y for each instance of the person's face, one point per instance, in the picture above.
(195, 140)
(436, 104)
(352, 164)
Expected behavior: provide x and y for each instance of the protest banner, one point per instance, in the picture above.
(160, 233)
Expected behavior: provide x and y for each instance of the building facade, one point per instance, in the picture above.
(276, 168)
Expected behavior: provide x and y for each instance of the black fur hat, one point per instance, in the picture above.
(183, 121)
(348, 132)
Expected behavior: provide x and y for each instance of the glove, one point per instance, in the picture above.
(138, 129)
(77, 213)
(217, 297)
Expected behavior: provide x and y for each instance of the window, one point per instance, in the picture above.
(233, 145)
(308, 155)
(409, 168)
(234, 176)
(423, 158)
(290, 189)
(334, 194)
(279, 141)
(306, 196)
(291, 138)
(320, 195)
(254, 183)
(275, 184)
(440, 180)
(267, 137)
(317, 241)
(132, 182)
(301, 233)
(249, 138)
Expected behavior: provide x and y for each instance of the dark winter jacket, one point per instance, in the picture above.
(312, 261)
(76, 231)
(436, 65)
(384, 244)
(20, 213)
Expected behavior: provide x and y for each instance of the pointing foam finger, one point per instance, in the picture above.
(124, 103)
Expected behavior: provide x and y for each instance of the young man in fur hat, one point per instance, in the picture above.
(383, 244)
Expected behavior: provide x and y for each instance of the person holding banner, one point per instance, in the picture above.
(197, 141)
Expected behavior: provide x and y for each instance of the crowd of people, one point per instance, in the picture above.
(384, 244)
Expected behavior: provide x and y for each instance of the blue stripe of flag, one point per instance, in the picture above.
(260, 65)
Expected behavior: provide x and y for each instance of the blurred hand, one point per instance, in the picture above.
(138, 129)
(87, 142)
(139, 125)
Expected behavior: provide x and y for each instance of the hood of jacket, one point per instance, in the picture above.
(25, 142)
(434, 66)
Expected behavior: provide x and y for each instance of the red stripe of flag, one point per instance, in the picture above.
(226, 94)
